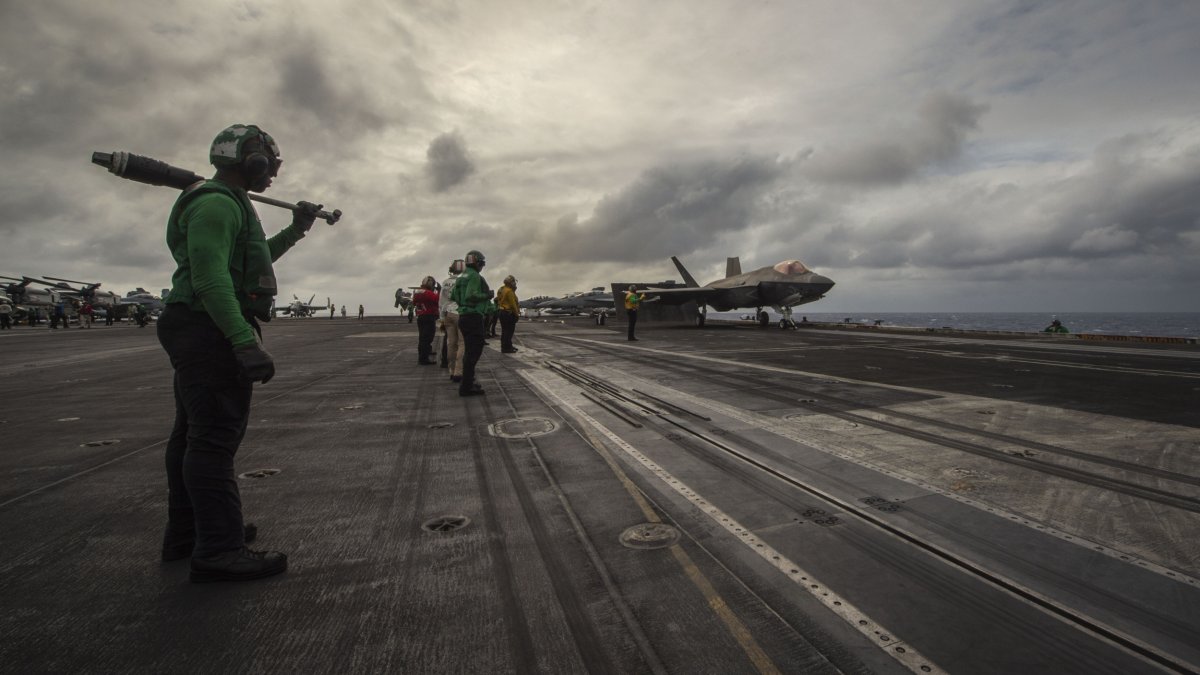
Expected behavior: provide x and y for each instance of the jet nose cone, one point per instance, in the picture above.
(822, 281)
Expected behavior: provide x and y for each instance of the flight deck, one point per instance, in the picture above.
(726, 499)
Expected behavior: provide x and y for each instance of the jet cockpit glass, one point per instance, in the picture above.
(791, 267)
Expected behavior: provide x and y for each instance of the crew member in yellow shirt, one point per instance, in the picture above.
(510, 313)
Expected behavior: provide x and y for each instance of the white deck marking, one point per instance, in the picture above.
(876, 633)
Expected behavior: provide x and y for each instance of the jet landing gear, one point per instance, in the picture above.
(786, 321)
(701, 315)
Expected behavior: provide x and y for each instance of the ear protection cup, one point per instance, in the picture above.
(256, 165)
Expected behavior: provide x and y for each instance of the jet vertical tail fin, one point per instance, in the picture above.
(687, 277)
(733, 267)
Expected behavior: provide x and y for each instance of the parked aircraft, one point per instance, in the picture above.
(299, 308)
(579, 303)
(783, 286)
(140, 296)
(89, 292)
(532, 303)
(29, 301)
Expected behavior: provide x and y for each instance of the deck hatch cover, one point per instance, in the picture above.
(649, 536)
(523, 427)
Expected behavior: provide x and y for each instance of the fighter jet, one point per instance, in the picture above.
(595, 300)
(532, 303)
(140, 296)
(782, 286)
(298, 308)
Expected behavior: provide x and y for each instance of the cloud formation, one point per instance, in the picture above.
(448, 162)
(959, 156)
(668, 210)
(899, 154)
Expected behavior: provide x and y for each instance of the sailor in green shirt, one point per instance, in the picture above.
(474, 300)
(223, 284)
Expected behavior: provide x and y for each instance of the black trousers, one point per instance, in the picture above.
(426, 329)
(473, 332)
(508, 326)
(632, 314)
(212, 407)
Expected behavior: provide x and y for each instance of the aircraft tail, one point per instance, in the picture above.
(687, 277)
(733, 267)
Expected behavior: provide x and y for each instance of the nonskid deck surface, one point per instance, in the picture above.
(725, 500)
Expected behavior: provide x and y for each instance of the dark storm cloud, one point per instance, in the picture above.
(944, 121)
(337, 102)
(669, 210)
(449, 163)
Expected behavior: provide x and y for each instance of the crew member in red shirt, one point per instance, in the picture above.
(425, 299)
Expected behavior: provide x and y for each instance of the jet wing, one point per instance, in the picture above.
(679, 296)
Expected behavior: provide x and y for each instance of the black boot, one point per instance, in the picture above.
(240, 565)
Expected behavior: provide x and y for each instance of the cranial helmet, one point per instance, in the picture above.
(457, 266)
(510, 280)
(247, 145)
(428, 282)
(475, 259)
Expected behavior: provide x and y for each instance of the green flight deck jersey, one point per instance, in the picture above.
(224, 258)
(471, 293)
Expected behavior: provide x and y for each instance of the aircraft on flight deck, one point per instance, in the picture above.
(90, 291)
(299, 308)
(28, 301)
(532, 303)
(783, 286)
(140, 296)
(578, 303)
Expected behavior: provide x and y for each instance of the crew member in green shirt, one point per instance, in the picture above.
(223, 285)
(474, 300)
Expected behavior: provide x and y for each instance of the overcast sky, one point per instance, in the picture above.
(927, 156)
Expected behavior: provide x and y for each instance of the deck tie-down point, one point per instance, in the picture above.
(445, 523)
(522, 427)
(649, 536)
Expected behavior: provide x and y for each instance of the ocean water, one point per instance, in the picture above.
(1157, 324)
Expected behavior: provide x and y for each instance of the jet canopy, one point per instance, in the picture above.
(791, 267)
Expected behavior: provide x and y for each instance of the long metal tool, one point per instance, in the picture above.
(154, 172)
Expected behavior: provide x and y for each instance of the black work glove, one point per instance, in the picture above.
(304, 215)
(255, 363)
(491, 294)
